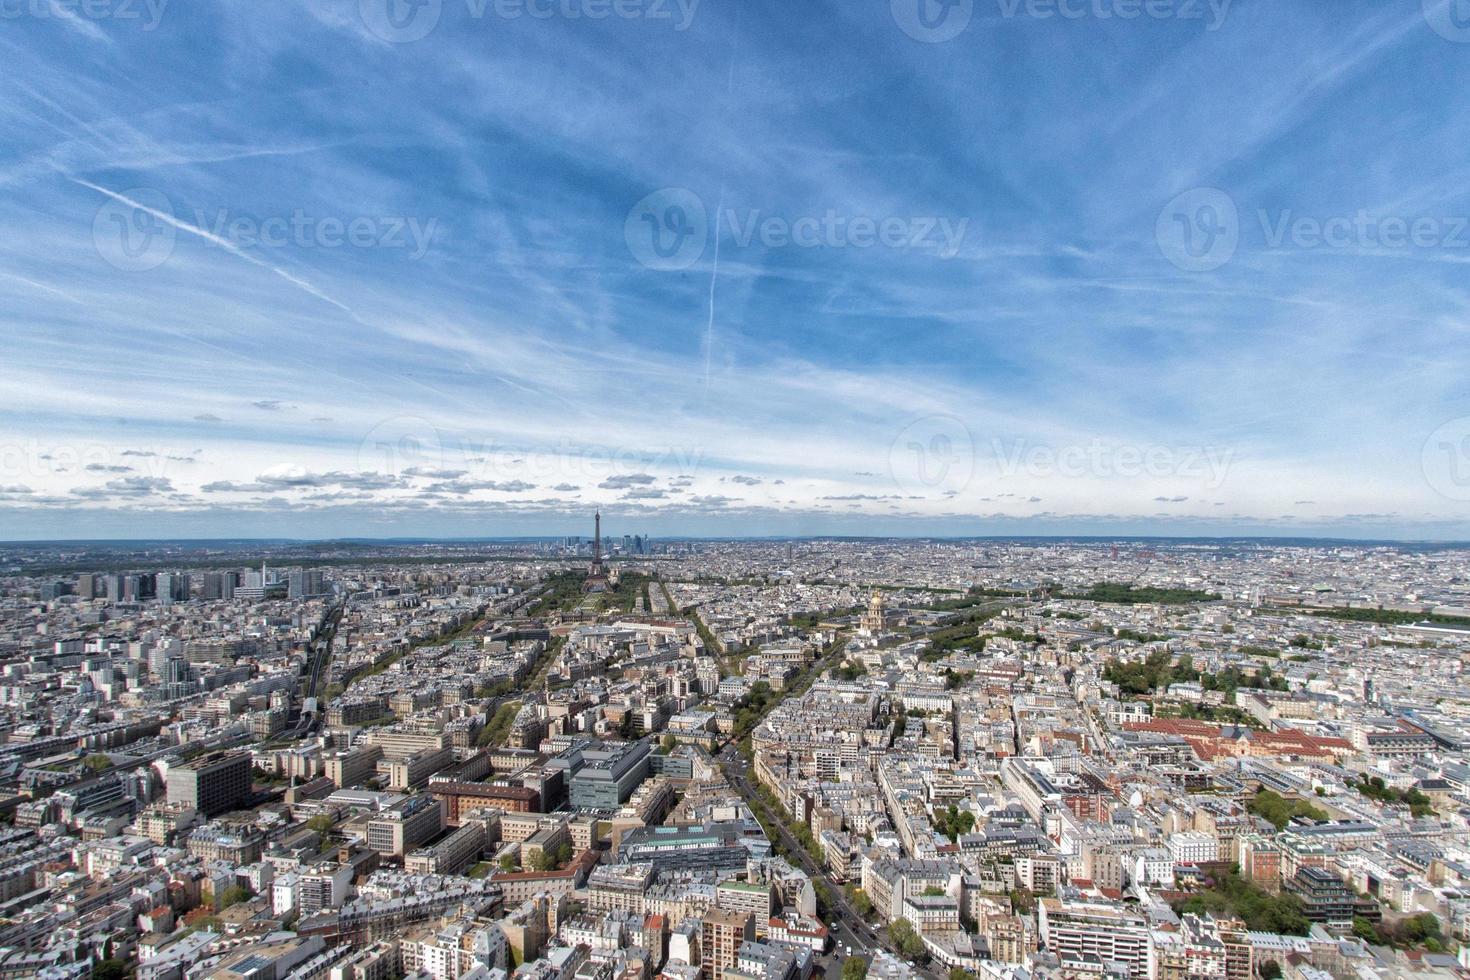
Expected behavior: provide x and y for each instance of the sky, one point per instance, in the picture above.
(321, 268)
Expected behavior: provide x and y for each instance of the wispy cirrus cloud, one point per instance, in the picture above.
(530, 349)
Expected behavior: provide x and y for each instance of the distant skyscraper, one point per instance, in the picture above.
(304, 583)
(219, 585)
(141, 588)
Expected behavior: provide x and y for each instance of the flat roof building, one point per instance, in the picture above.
(608, 775)
(212, 784)
(407, 825)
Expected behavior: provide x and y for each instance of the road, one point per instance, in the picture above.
(847, 927)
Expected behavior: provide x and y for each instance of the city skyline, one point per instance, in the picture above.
(1209, 280)
(735, 490)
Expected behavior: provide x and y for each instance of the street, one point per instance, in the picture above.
(847, 927)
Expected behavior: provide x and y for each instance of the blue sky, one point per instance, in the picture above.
(330, 267)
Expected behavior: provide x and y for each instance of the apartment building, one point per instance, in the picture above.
(721, 934)
(1077, 931)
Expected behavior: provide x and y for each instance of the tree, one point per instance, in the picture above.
(1416, 931)
(1023, 900)
(957, 973)
(953, 822)
(1365, 931)
(669, 743)
(1280, 810)
(499, 725)
(854, 968)
(859, 900)
(96, 762)
(234, 895)
(110, 969)
(1270, 970)
(322, 823)
(1419, 929)
(1233, 896)
(507, 863)
(907, 939)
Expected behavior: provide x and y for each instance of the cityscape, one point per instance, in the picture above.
(735, 490)
(620, 756)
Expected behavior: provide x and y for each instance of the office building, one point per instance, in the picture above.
(397, 831)
(608, 775)
(212, 784)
